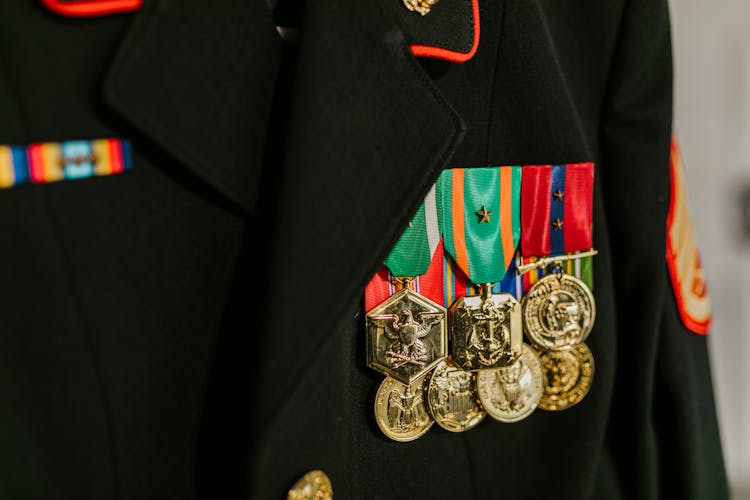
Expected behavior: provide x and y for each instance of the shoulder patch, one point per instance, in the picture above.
(683, 257)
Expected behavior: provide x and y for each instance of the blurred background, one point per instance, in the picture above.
(712, 122)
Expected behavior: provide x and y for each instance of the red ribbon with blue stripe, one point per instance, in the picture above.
(556, 209)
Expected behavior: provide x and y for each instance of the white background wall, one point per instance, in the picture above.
(712, 121)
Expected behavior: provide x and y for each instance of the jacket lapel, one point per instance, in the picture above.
(199, 83)
(369, 134)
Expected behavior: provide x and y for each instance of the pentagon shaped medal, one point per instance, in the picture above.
(486, 331)
(406, 336)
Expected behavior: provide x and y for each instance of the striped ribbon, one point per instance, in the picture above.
(412, 254)
(481, 246)
(498, 189)
(429, 284)
(583, 269)
(56, 161)
(556, 209)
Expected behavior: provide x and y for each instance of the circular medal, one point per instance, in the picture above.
(511, 393)
(558, 312)
(401, 410)
(567, 377)
(452, 398)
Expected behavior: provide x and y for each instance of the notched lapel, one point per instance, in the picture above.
(199, 82)
(369, 134)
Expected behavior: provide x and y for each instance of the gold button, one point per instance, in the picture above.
(314, 485)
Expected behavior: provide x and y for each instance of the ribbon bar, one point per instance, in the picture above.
(57, 161)
(546, 261)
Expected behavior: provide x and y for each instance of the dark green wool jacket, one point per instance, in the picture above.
(191, 329)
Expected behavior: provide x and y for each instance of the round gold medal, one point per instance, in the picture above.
(558, 312)
(452, 398)
(401, 410)
(567, 377)
(511, 393)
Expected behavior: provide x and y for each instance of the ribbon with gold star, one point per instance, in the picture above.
(480, 218)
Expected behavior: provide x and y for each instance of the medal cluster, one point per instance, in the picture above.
(489, 369)
(455, 365)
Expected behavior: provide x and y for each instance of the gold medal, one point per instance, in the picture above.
(486, 330)
(558, 312)
(511, 393)
(567, 377)
(400, 410)
(406, 336)
(452, 398)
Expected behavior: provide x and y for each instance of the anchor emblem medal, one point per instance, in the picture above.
(481, 228)
(559, 309)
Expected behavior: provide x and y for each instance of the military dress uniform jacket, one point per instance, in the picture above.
(192, 328)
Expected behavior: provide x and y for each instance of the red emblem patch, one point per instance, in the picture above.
(683, 257)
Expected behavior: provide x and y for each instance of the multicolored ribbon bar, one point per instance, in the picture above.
(480, 218)
(57, 161)
(482, 215)
(581, 268)
(556, 209)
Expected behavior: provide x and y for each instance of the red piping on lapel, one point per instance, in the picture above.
(91, 8)
(450, 55)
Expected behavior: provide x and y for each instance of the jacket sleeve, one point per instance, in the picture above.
(663, 432)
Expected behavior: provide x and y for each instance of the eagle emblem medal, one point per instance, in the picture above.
(406, 336)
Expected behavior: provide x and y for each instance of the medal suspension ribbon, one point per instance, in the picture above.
(556, 211)
(480, 217)
(418, 254)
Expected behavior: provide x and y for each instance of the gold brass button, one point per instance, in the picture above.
(314, 485)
